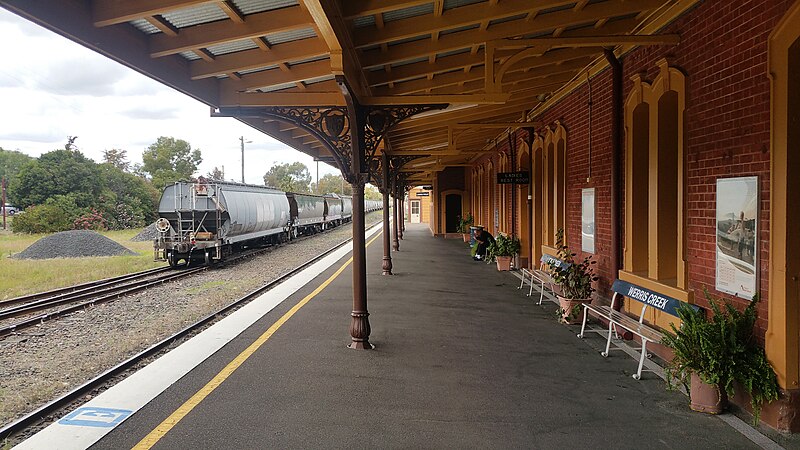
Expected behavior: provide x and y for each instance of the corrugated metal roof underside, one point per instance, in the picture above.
(410, 61)
(459, 29)
(144, 26)
(232, 47)
(257, 6)
(291, 35)
(364, 21)
(195, 15)
(405, 13)
(278, 87)
(313, 81)
(507, 19)
(260, 69)
(308, 60)
(450, 4)
(190, 55)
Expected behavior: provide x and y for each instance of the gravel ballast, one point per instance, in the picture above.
(46, 361)
(149, 233)
(73, 244)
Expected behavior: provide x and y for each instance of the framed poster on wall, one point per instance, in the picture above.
(737, 236)
(587, 220)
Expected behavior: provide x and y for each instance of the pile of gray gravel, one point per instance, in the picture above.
(73, 244)
(147, 234)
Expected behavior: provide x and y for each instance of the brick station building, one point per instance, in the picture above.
(713, 107)
(679, 118)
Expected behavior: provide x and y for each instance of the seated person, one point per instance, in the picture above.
(483, 239)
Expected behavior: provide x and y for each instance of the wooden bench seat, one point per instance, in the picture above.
(648, 298)
(543, 275)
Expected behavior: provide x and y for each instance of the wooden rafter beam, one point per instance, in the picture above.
(549, 64)
(501, 125)
(514, 85)
(233, 99)
(207, 34)
(590, 41)
(275, 77)
(164, 26)
(111, 12)
(456, 17)
(480, 99)
(543, 23)
(257, 58)
(357, 8)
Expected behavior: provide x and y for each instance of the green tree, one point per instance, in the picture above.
(291, 177)
(117, 158)
(128, 200)
(333, 184)
(372, 193)
(11, 162)
(60, 172)
(216, 174)
(169, 160)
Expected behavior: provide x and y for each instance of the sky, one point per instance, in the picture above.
(52, 88)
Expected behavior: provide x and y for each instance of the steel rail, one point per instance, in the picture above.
(79, 287)
(44, 411)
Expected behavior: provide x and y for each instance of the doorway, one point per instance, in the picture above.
(415, 207)
(452, 209)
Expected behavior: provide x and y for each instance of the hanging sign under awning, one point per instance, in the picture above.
(423, 194)
(513, 178)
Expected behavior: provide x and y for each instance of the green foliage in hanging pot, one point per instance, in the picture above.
(464, 223)
(722, 350)
(575, 278)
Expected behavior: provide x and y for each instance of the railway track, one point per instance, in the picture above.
(40, 307)
(47, 411)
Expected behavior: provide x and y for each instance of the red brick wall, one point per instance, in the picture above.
(723, 53)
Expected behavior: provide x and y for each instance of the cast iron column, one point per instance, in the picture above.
(387, 251)
(359, 326)
(402, 199)
(396, 204)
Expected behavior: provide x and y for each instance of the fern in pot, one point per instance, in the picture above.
(574, 279)
(714, 356)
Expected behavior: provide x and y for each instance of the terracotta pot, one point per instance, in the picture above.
(567, 304)
(503, 263)
(706, 398)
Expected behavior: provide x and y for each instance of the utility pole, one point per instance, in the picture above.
(241, 138)
(3, 188)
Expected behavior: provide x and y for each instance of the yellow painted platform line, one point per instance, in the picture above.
(164, 427)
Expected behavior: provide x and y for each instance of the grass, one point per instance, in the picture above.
(21, 277)
(207, 286)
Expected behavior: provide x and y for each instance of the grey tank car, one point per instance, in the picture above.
(202, 221)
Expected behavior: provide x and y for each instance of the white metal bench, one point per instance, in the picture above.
(636, 326)
(542, 276)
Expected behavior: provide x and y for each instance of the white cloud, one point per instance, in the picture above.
(53, 88)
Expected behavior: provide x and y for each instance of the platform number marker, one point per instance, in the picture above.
(95, 417)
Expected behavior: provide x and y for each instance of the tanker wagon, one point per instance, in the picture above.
(208, 221)
(307, 213)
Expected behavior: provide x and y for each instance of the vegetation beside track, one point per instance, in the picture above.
(22, 277)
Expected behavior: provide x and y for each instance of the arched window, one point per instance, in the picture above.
(654, 174)
(554, 186)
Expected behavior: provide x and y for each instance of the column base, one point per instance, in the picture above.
(360, 346)
(387, 265)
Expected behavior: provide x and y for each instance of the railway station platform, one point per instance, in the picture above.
(462, 359)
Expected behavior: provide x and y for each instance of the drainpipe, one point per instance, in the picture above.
(616, 153)
(617, 147)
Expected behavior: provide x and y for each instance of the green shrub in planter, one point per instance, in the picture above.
(722, 350)
(503, 246)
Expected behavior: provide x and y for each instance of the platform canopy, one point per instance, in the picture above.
(490, 61)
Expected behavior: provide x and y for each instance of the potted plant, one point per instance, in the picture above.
(502, 250)
(463, 226)
(573, 278)
(715, 354)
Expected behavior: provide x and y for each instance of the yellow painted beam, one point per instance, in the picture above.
(111, 12)
(480, 99)
(281, 99)
(276, 76)
(257, 58)
(590, 41)
(207, 34)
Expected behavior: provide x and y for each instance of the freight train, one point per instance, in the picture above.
(200, 221)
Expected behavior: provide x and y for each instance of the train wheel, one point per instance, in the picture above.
(171, 260)
(294, 232)
(209, 260)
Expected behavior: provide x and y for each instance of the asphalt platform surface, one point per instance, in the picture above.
(462, 360)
